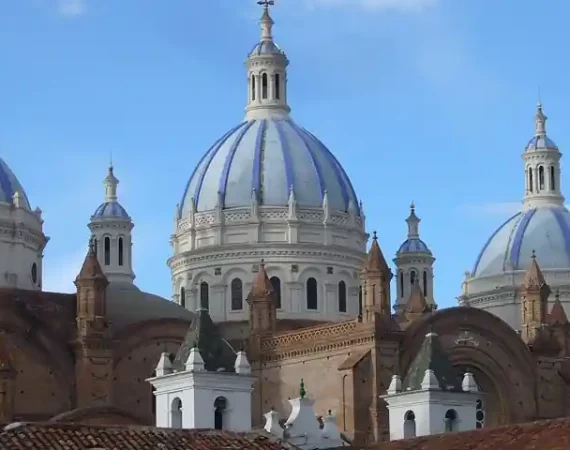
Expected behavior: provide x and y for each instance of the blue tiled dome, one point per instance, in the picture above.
(110, 210)
(540, 142)
(545, 230)
(9, 184)
(414, 245)
(270, 156)
(266, 48)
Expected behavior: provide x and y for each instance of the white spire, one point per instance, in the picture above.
(111, 183)
(542, 167)
(413, 222)
(267, 73)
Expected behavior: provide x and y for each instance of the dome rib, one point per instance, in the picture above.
(316, 164)
(256, 176)
(521, 227)
(342, 177)
(229, 159)
(210, 155)
(564, 228)
(286, 155)
(481, 253)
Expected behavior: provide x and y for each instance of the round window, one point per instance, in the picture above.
(34, 273)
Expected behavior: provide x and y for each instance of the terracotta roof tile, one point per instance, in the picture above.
(376, 260)
(543, 435)
(45, 436)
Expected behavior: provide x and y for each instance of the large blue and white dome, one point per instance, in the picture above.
(269, 156)
(544, 230)
(9, 185)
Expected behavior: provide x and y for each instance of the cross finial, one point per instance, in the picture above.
(374, 236)
(266, 3)
(302, 391)
(533, 256)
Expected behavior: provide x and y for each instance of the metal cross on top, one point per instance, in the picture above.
(266, 3)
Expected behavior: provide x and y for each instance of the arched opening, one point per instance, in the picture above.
(253, 87)
(34, 273)
(541, 178)
(276, 283)
(264, 86)
(120, 251)
(425, 282)
(236, 289)
(552, 179)
(107, 251)
(451, 420)
(153, 400)
(360, 300)
(204, 295)
(176, 413)
(413, 277)
(409, 425)
(530, 180)
(277, 86)
(183, 297)
(220, 407)
(342, 296)
(312, 294)
(401, 283)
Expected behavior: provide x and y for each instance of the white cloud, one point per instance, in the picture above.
(377, 5)
(72, 8)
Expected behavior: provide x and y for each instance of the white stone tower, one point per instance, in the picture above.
(542, 168)
(206, 385)
(267, 74)
(111, 228)
(432, 399)
(414, 264)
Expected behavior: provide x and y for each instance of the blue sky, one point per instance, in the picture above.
(431, 101)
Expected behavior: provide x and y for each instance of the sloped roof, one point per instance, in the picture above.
(544, 435)
(47, 436)
(216, 352)
(431, 356)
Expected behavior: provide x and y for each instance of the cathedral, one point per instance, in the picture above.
(272, 258)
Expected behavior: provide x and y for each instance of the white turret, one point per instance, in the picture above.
(414, 262)
(267, 74)
(111, 228)
(542, 168)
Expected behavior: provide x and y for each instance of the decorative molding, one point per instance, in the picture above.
(465, 339)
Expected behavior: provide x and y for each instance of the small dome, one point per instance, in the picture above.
(540, 142)
(110, 210)
(9, 184)
(269, 156)
(266, 48)
(414, 245)
(545, 230)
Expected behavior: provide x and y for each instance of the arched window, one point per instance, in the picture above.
(204, 295)
(413, 277)
(253, 87)
(425, 281)
(277, 86)
(312, 294)
(264, 86)
(120, 251)
(541, 178)
(220, 406)
(276, 283)
(530, 180)
(342, 296)
(360, 300)
(236, 289)
(176, 413)
(153, 399)
(409, 425)
(450, 420)
(401, 283)
(183, 297)
(552, 179)
(107, 251)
